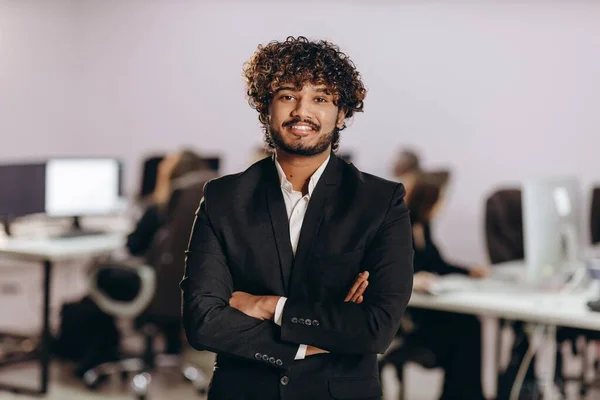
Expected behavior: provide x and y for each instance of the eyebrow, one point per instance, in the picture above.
(293, 89)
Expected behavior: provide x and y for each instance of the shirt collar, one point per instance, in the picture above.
(312, 183)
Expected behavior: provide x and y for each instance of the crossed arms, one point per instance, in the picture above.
(240, 324)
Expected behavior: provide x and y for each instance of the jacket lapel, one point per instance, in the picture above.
(280, 224)
(319, 207)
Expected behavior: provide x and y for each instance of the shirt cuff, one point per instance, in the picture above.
(301, 352)
(279, 312)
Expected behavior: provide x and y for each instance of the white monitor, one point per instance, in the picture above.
(551, 227)
(82, 186)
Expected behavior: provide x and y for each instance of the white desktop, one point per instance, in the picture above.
(551, 228)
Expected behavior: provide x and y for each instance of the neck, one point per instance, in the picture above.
(299, 169)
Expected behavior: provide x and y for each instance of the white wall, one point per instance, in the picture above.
(477, 86)
(38, 79)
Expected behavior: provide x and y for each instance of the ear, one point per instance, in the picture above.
(340, 118)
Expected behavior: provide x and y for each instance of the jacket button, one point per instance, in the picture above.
(284, 380)
(301, 321)
(272, 360)
(279, 362)
(258, 356)
(294, 320)
(315, 323)
(265, 357)
(307, 322)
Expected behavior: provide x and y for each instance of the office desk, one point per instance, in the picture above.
(568, 310)
(545, 308)
(49, 251)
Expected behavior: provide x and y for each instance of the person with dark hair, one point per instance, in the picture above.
(406, 169)
(453, 339)
(281, 254)
(175, 167)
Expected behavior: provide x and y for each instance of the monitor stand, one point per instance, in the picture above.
(77, 231)
(6, 223)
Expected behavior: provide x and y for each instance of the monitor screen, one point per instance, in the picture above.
(214, 163)
(79, 187)
(22, 189)
(149, 174)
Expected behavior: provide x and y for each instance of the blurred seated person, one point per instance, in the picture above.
(176, 171)
(406, 169)
(454, 339)
(172, 169)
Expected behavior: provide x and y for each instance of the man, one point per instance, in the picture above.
(275, 250)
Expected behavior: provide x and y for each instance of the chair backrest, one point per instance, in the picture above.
(167, 253)
(595, 216)
(504, 226)
(129, 288)
(149, 173)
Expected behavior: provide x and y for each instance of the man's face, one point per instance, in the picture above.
(302, 122)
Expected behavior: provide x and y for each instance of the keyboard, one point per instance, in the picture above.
(450, 284)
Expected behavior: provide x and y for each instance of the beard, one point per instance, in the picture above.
(300, 149)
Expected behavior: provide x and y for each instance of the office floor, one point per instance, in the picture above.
(422, 384)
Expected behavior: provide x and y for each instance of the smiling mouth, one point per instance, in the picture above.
(301, 130)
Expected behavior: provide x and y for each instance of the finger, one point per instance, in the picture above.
(359, 279)
(354, 287)
(360, 291)
(360, 299)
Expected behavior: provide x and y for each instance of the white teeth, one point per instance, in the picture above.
(302, 127)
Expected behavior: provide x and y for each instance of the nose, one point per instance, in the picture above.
(302, 109)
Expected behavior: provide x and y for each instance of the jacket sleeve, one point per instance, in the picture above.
(209, 322)
(369, 327)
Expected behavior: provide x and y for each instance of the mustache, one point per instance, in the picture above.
(294, 121)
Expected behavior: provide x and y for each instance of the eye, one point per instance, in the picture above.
(286, 97)
(321, 100)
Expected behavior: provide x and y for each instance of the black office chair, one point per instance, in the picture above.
(595, 216)
(124, 290)
(404, 351)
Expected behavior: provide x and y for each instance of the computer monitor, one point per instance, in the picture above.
(149, 174)
(21, 191)
(551, 227)
(214, 163)
(76, 187)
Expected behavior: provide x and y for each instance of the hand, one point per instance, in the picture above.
(162, 189)
(259, 307)
(355, 295)
(480, 271)
(423, 280)
(161, 193)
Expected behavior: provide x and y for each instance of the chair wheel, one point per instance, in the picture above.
(140, 384)
(92, 380)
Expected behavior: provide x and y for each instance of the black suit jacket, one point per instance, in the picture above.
(241, 242)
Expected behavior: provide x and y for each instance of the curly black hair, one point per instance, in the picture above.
(298, 61)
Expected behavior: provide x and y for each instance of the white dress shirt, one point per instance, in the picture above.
(296, 206)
